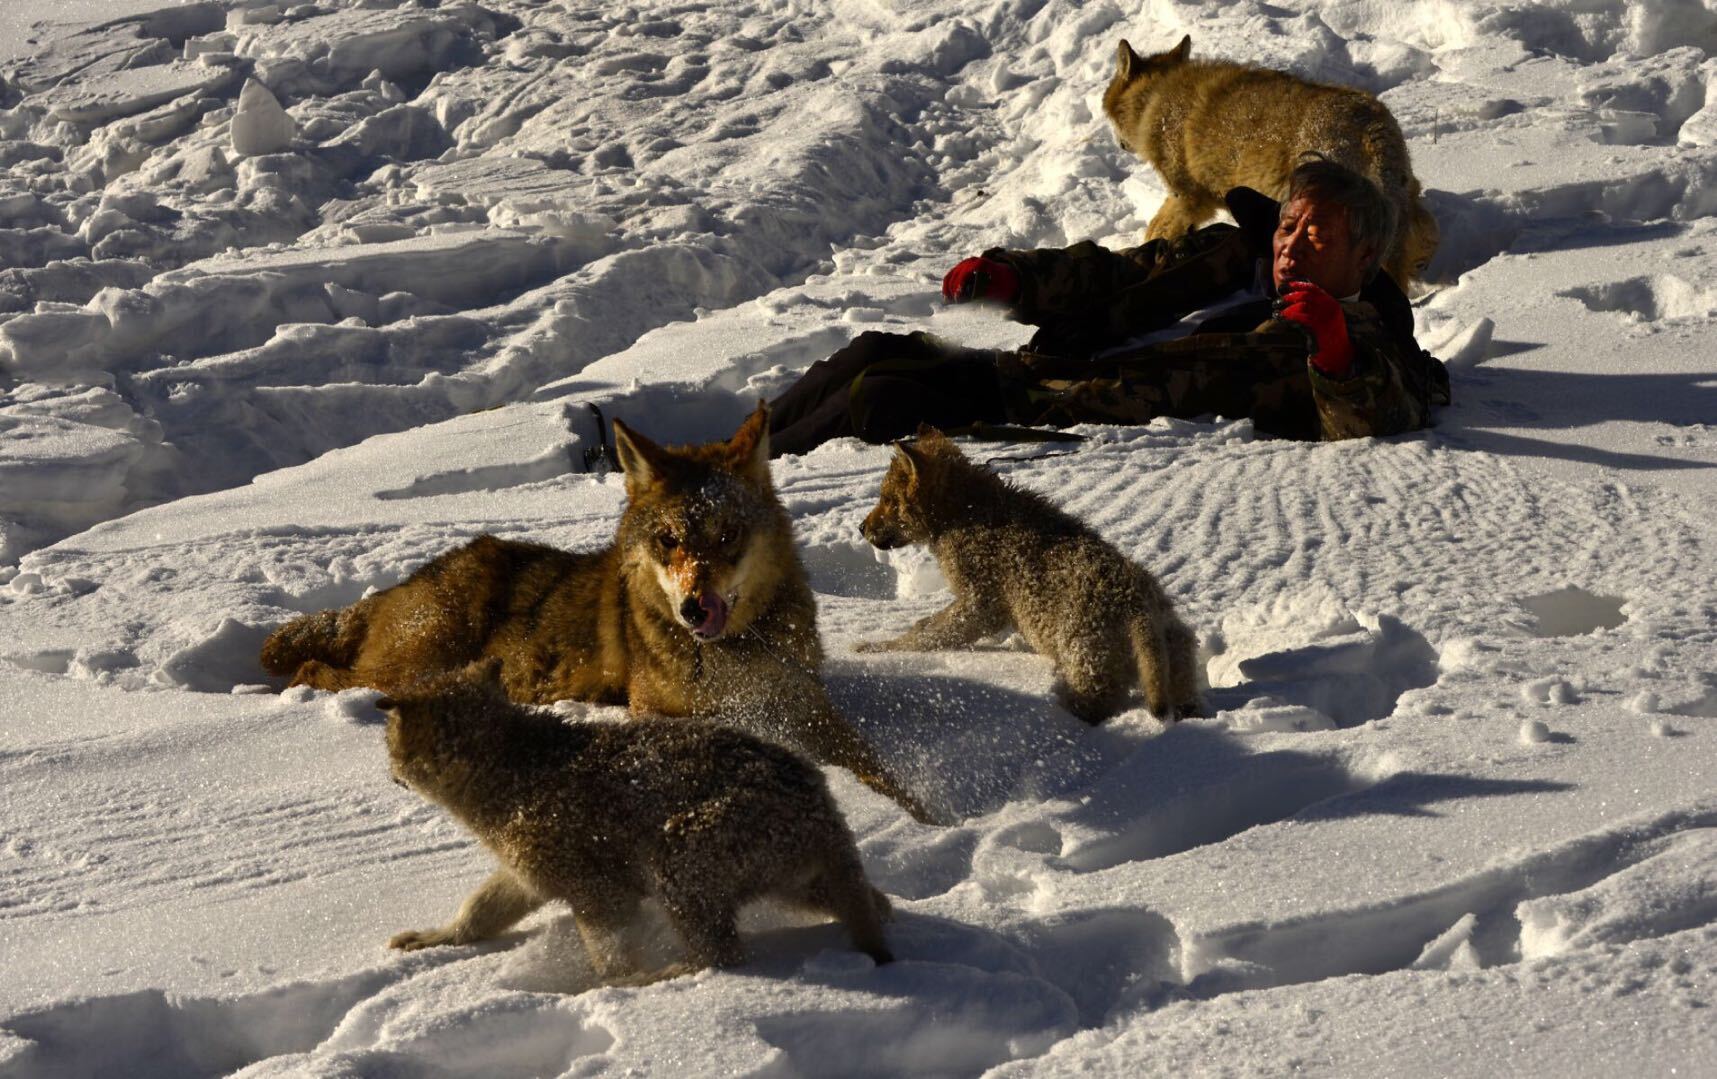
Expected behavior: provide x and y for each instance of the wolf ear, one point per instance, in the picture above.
(1126, 60)
(640, 459)
(748, 449)
(912, 457)
(931, 442)
(1179, 53)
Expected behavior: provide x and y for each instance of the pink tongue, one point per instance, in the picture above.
(715, 614)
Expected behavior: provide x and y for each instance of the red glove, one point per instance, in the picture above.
(1321, 315)
(980, 279)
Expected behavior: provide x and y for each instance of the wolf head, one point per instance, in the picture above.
(907, 509)
(703, 527)
(436, 725)
(1130, 89)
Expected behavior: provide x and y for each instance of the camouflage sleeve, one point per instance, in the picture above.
(1387, 392)
(1058, 282)
(1133, 290)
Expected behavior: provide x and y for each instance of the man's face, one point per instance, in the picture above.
(1313, 243)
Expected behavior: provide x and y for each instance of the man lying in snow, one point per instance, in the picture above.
(1282, 318)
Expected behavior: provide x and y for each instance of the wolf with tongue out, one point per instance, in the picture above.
(700, 607)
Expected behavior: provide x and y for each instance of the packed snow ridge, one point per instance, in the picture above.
(294, 297)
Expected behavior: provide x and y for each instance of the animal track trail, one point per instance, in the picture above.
(113, 860)
(1587, 892)
(518, 1035)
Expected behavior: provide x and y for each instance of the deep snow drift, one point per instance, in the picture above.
(294, 297)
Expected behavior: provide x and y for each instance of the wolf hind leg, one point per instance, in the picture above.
(839, 889)
(496, 906)
(325, 676)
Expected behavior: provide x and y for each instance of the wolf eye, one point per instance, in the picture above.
(668, 540)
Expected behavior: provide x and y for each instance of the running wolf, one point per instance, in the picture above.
(1013, 559)
(1208, 126)
(601, 815)
(699, 607)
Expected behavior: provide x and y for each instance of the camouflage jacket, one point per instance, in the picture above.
(1089, 301)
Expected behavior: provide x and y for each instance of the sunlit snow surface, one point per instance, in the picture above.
(1455, 811)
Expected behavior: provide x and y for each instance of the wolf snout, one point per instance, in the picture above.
(705, 614)
(878, 536)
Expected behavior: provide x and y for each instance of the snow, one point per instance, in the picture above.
(1453, 811)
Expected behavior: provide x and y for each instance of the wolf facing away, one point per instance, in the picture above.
(700, 607)
(1013, 559)
(701, 817)
(1208, 126)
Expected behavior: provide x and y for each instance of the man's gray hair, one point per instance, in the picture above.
(1370, 216)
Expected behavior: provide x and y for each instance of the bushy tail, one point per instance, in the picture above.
(324, 636)
(1167, 655)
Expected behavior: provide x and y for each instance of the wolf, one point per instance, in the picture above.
(599, 815)
(1013, 559)
(700, 607)
(1210, 125)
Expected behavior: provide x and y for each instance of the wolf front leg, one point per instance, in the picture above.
(496, 905)
(962, 622)
(1179, 215)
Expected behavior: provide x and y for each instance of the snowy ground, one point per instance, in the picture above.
(1456, 812)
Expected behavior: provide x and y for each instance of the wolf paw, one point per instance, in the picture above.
(413, 939)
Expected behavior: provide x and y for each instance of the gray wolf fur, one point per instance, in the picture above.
(700, 607)
(1208, 126)
(601, 816)
(1013, 559)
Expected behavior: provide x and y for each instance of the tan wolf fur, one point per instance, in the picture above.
(700, 607)
(601, 815)
(1210, 125)
(1013, 559)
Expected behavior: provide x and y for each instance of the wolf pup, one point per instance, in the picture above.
(602, 815)
(1013, 559)
(1210, 125)
(699, 607)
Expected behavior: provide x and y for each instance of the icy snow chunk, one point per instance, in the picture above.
(1452, 950)
(126, 93)
(260, 126)
(1533, 732)
(226, 657)
(1550, 690)
(352, 706)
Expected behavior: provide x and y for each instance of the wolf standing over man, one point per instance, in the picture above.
(1208, 126)
(1283, 317)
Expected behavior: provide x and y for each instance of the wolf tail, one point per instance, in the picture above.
(1167, 654)
(326, 636)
